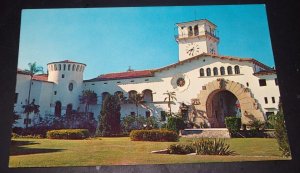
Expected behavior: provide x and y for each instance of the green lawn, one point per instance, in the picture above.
(122, 151)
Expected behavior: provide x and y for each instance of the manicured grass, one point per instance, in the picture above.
(122, 151)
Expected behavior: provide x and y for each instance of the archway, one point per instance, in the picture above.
(219, 105)
(249, 107)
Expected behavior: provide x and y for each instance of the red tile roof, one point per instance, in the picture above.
(231, 58)
(41, 77)
(265, 72)
(123, 75)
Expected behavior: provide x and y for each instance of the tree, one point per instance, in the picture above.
(171, 95)
(33, 69)
(30, 108)
(110, 117)
(277, 121)
(88, 98)
(137, 99)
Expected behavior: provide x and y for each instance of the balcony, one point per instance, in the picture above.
(183, 36)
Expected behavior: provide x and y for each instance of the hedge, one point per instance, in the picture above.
(233, 125)
(68, 134)
(153, 135)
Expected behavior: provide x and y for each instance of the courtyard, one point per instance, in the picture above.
(123, 151)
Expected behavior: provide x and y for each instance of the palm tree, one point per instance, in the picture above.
(33, 69)
(88, 98)
(171, 95)
(137, 99)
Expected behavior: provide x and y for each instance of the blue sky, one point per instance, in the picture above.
(112, 39)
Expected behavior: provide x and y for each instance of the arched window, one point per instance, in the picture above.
(215, 71)
(64, 67)
(222, 71)
(69, 67)
(104, 95)
(190, 31)
(69, 110)
(229, 70)
(148, 97)
(59, 67)
(120, 94)
(131, 94)
(55, 67)
(208, 72)
(73, 67)
(51, 67)
(201, 72)
(80, 68)
(236, 69)
(196, 30)
(77, 68)
(57, 109)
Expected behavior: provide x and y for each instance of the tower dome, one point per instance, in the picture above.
(67, 77)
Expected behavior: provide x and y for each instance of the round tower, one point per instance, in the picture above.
(67, 77)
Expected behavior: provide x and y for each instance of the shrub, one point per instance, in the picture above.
(212, 147)
(68, 134)
(181, 149)
(233, 125)
(153, 135)
(175, 124)
(277, 122)
(255, 128)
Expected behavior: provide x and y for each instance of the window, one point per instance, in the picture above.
(57, 111)
(215, 71)
(59, 66)
(201, 72)
(77, 68)
(147, 95)
(247, 84)
(69, 67)
(273, 99)
(222, 71)
(208, 72)
(190, 31)
(71, 86)
(196, 30)
(229, 70)
(236, 69)
(64, 67)
(51, 66)
(27, 121)
(162, 116)
(262, 82)
(132, 81)
(266, 100)
(131, 94)
(147, 114)
(62, 76)
(73, 68)
(276, 81)
(55, 92)
(146, 79)
(55, 67)
(16, 97)
(118, 82)
(132, 113)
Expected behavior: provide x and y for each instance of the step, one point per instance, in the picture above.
(205, 133)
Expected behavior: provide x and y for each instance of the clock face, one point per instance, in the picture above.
(192, 49)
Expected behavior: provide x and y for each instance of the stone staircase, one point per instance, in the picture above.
(205, 133)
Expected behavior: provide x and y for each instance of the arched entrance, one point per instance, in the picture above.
(210, 115)
(57, 109)
(221, 104)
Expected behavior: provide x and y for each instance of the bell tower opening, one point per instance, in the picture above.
(221, 104)
(196, 37)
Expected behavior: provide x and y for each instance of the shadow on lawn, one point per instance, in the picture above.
(19, 148)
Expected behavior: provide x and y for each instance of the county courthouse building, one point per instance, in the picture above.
(208, 86)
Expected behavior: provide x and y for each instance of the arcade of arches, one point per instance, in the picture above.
(221, 98)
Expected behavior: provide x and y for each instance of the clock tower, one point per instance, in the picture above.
(196, 37)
